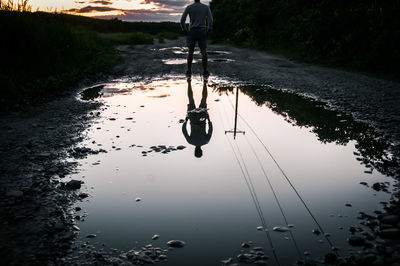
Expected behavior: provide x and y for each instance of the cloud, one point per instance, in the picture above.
(91, 9)
(145, 15)
(101, 2)
(163, 10)
(168, 3)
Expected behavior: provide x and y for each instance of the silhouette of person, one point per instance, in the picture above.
(198, 118)
(198, 14)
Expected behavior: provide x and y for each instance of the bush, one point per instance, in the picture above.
(360, 34)
(41, 58)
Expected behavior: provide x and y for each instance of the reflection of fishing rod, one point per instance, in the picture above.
(292, 186)
(250, 186)
(234, 130)
(267, 178)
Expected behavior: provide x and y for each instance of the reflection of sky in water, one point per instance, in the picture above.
(205, 201)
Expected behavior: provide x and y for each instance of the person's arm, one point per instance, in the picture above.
(184, 130)
(210, 129)
(183, 20)
(210, 19)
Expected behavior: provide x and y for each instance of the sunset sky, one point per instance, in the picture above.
(129, 10)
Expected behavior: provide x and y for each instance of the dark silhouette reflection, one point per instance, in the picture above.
(330, 126)
(198, 118)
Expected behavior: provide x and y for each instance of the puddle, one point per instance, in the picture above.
(184, 50)
(226, 60)
(153, 181)
(182, 61)
(174, 61)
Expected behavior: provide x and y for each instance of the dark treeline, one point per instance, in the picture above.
(362, 34)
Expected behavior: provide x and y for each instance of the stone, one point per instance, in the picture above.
(390, 219)
(245, 245)
(14, 193)
(176, 243)
(83, 195)
(91, 236)
(389, 233)
(155, 237)
(74, 184)
(316, 231)
(246, 258)
(280, 229)
(260, 262)
(356, 240)
(227, 261)
(330, 258)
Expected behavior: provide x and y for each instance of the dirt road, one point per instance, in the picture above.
(36, 209)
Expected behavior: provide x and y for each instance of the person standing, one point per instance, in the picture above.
(201, 21)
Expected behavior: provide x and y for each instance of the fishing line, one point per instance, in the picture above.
(252, 193)
(290, 183)
(272, 189)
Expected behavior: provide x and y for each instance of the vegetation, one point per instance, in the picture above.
(132, 38)
(44, 54)
(359, 34)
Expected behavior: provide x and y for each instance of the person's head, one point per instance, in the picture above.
(198, 152)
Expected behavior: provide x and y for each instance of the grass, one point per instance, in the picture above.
(43, 55)
(132, 38)
(43, 59)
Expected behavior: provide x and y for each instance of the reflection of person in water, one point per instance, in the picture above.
(198, 118)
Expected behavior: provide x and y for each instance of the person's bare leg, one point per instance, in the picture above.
(204, 95)
(204, 60)
(190, 94)
(190, 60)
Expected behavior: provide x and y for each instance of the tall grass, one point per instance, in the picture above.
(19, 5)
(41, 59)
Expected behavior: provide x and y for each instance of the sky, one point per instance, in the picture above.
(128, 10)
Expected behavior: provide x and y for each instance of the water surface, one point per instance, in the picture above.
(216, 201)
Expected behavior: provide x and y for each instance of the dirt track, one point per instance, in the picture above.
(35, 208)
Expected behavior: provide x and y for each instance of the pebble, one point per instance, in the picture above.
(138, 199)
(14, 193)
(330, 258)
(155, 237)
(356, 240)
(316, 231)
(227, 261)
(348, 205)
(259, 228)
(83, 195)
(280, 229)
(245, 245)
(74, 184)
(246, 257)
(390, 219)
(176, 243)
(389, 233)
(91, 236)
(76, 228)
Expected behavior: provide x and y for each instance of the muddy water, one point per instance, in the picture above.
(151, 180)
